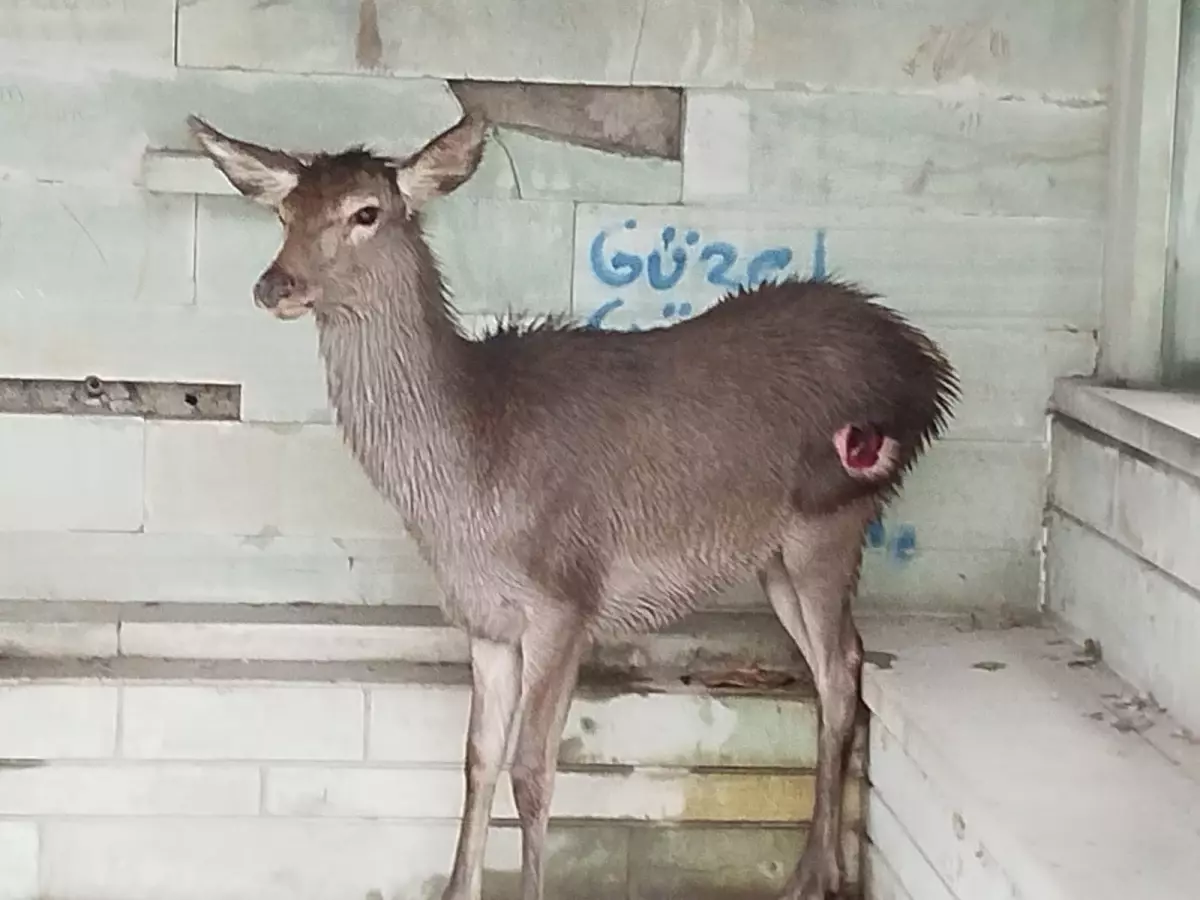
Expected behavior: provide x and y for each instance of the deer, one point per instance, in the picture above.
(565, 483)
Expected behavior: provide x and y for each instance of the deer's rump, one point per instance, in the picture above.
(745, 398)
(655, 465)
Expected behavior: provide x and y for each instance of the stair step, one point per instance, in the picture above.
(417, 634)
(1010, 763)
(178, 779)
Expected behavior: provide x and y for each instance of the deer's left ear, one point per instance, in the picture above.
(264, 175)
(444, 163)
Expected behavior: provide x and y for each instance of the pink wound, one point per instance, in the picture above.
(860, 447)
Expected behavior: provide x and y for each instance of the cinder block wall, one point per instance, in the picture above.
(947, 154)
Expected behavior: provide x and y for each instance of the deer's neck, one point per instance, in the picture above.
(396, 377)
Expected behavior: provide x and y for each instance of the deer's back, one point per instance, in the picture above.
(672, 461)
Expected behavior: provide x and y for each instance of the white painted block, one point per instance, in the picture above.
(306, 860)
(1144, 621)
(939, 581)
(954, 268)
(896, 867)
(18, 860)
(88, 35)
(70, 472)
(1083, 476)
(427, 725)
(217, 568)
(926, 45)
(971, 495)
(57, 721)
(81, 640)
(717, 146)
(916, 152)
(292, 641)
(98, 128)
(1156, 514)
(721, 862)
(94, 246)
(1010, 406)
(498, 255)
(242, 722)
(222, 478)
(130, 790)
(529, 41)
(656, 796)
(907, 802)
(550, 169)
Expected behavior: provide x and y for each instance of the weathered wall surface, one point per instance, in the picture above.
(947, 154)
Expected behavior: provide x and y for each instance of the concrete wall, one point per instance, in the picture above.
(948, 154)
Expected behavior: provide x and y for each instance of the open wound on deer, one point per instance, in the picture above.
(864, 451)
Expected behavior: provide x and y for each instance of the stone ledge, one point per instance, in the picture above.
(215, 632)
(1162, 424)
(1014, 760)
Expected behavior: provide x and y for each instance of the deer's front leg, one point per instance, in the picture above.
(552, 650)
(495, 689)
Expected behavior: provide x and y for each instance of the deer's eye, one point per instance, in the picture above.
(367, 216)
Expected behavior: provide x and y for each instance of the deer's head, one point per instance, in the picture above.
(345, 216)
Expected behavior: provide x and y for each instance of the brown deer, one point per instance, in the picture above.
(565, 482)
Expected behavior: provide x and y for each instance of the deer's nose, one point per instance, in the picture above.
(274, 285)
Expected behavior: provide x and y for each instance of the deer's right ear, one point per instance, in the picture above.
(444, 163)
(264, 175)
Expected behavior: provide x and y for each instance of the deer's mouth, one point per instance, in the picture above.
(291, 309)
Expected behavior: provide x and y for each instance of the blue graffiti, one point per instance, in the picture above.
(900, 546)
(664, 268)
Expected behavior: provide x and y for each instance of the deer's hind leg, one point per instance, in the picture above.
(810, 584)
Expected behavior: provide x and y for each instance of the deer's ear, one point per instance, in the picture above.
(444, 163)
(264, 175)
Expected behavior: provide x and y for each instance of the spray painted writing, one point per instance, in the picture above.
(675, 256)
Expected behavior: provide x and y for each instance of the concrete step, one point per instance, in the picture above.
(1015, 764)
(130, 778)
(418, 634)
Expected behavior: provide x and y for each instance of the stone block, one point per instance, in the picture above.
(129, 790)
(712, 863)
(427, 725)
(215, 568)
(43, 639)
(52, 721)
(928, 45)
(1156, 513)
(91, 35)
(289, 859)
(98, 129)
(498, 255)
(18, 860)
(655, 796)
(1083, 475)
(526, 41)
(226, 722)
(918, 152)
(548, 169)
(250, 479)
(1143, 620)
(94, 247)
(71, 473)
